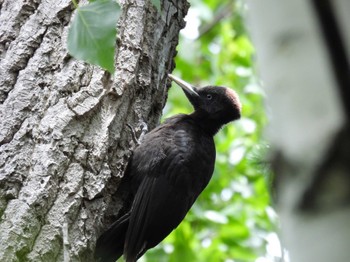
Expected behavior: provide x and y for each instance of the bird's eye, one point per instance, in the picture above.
(209, 96)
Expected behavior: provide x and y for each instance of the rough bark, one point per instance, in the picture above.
(63, 136)
(303, 53)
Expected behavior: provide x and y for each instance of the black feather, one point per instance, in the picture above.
(167, 172)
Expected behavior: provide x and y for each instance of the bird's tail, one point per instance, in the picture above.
(110, 245)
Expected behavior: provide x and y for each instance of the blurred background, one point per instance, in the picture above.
(232, 220)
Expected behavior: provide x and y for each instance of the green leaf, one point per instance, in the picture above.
(92, 34)
(156, 3)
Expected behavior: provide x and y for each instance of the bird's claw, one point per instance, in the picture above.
(142, 128)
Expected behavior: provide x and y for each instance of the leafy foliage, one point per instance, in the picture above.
(91, 38)
(232, 219)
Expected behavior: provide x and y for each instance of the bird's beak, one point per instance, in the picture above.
(188, 88)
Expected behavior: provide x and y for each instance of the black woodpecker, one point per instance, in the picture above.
(168, 171)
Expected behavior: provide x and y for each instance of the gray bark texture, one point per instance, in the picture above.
(303, 52)
(64, 140)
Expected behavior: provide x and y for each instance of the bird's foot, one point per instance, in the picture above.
(142, 129)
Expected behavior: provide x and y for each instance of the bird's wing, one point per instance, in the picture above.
(167, 191)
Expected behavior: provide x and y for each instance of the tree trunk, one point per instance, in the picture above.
(303, 52)
(63, 136)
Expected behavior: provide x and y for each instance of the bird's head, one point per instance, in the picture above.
(216, 103)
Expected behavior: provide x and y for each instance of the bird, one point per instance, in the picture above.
(167, 172)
